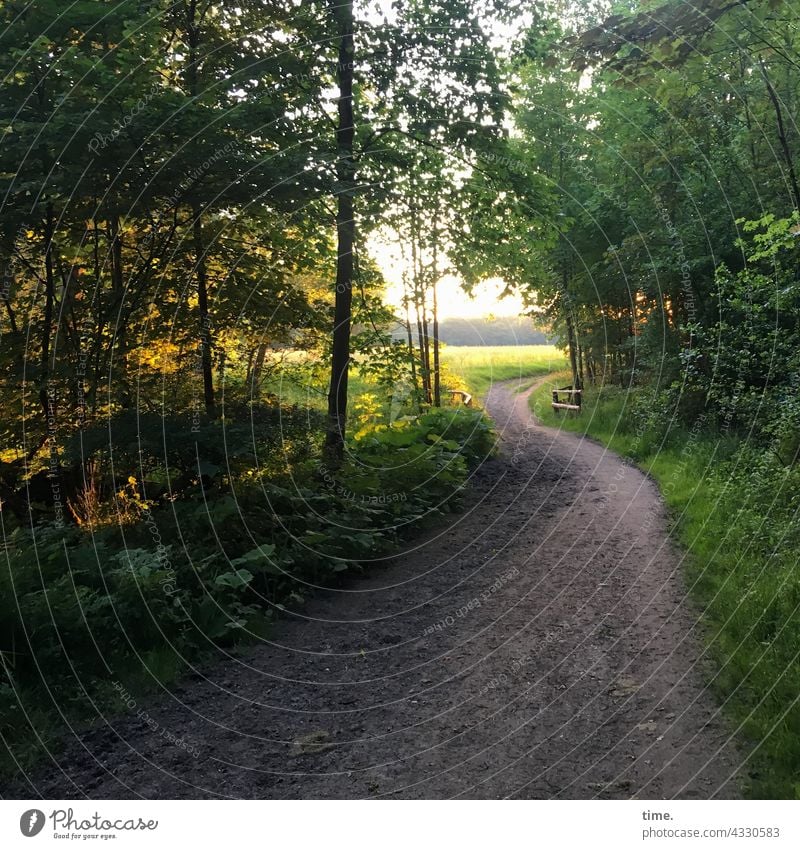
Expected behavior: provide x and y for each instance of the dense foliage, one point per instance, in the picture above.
(649, 151)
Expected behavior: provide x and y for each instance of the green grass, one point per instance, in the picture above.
(481, 366)
(733, 508)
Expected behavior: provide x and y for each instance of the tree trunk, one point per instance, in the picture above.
(193, 84)
(411, 355)
(12, 317)
(115, 240)
(49, 300)
(571, 338)
(255, 373)
(342, 12)
(787, 154)
(427, 340)
(423, 365)
(573, 359)
(205, 320)
(120, 320)
(419, 305)
(437, 386)
(221, 373)
(248, 381)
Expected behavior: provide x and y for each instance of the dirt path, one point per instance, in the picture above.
(539, 647)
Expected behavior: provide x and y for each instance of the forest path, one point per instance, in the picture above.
(540, 646)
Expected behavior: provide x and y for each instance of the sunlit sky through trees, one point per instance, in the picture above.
(487, 299)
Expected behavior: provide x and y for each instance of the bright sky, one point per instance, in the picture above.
(454, 302)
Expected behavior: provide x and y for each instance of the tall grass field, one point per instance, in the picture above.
(480, 366)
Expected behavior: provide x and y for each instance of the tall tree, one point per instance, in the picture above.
(342, 13)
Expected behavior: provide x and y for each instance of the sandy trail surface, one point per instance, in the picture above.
(541, 645)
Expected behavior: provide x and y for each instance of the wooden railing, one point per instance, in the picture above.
(572, 402)
(458, 393)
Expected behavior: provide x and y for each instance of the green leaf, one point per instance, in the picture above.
(235, 580)
(210, 470)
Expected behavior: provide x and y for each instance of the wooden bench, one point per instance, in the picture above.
(465, 396)
(572, 402)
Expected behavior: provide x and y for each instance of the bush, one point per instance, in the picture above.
(745, 364)
(171, 453)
